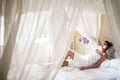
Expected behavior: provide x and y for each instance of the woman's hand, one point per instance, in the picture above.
(83, 68)
(98, 51)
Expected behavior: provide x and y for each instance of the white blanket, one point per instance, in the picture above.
(109, 70)
(112, 67)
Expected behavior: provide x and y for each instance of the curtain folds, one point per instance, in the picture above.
(37, 35)
(89, 26)
(11, 18)
(113, 11)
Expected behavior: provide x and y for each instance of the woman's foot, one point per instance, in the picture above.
(65, 63)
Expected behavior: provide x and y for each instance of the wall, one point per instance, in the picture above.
(105, 31)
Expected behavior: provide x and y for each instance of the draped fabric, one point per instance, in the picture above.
(89, 26)
(113, 10)
(1, 28)
(94, 7)
(37, 35)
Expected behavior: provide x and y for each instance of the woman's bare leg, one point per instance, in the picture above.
(69, 54)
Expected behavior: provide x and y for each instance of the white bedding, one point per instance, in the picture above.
(109, 70)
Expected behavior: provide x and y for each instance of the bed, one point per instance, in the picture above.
(109, 70)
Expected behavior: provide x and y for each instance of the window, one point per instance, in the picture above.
(44, 36)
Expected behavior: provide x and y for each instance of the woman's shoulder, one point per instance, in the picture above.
(104, 54)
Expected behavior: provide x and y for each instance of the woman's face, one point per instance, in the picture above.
(104, 46)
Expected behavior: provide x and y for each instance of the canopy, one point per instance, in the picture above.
(38, 33)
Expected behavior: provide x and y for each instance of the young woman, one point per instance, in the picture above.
(92, 60)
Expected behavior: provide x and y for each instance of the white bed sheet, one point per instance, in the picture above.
(110, 70)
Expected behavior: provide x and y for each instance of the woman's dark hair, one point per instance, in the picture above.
(108, 44)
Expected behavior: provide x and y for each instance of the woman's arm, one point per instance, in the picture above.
(97, 64)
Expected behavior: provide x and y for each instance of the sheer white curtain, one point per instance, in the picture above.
(63, 22)
(37, 35)
(89, 26)
(113, 12)
(90, 23)
(94, 7)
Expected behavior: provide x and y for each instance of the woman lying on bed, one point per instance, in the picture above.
(92, 60)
